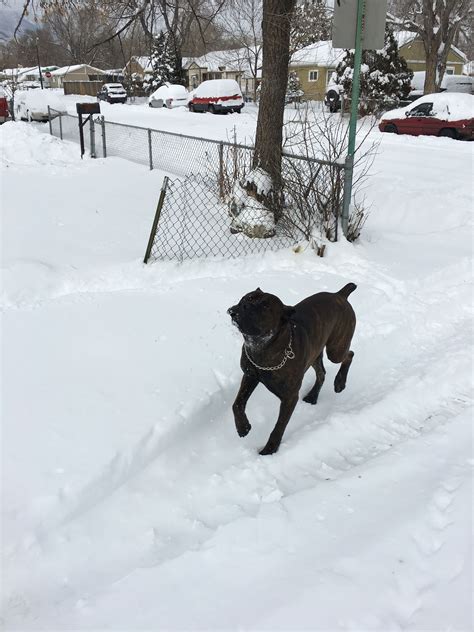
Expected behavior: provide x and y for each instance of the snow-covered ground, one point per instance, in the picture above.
(129, 501)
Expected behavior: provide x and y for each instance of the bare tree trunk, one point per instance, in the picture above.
(276, 45)
(430, 74)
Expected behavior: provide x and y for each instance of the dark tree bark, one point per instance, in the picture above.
(276, 45)
(438, 24)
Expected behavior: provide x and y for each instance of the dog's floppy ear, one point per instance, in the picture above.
(288, 312)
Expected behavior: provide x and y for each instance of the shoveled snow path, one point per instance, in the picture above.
(129, 502)
(221, 480)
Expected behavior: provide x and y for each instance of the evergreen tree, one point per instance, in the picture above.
(165, 63)
(310, 23)
(385, 78)
(293, 88)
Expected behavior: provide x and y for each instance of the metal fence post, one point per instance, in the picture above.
(92, 132)
(221, 170)
(150, 151)
(60, 126)
(104, 143)
(164, 186)
(49, 121)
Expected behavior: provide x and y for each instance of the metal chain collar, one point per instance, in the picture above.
(289, 355)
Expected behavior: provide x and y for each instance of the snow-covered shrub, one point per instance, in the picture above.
(385, 78)
(249, 215)
(313, 191)
(248, 208)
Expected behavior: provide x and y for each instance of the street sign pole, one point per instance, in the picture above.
(349, 164)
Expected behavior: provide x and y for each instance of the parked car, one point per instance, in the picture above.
(112, 93)
(217, 95)
(450, 83)
(32, 105)
(332, 98)
(441, 114)
(4, 115)
(169, 95)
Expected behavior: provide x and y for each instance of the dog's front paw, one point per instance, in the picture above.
(270, 448)
(243, 429)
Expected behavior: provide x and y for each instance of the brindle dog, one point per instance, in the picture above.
(282, 342)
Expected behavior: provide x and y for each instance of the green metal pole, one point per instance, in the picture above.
(349, 163)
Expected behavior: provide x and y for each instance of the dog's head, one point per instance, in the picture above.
(259, 314)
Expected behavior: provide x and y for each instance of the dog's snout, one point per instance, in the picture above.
(232, 311)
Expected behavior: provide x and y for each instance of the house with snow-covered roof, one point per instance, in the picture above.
(241, 64)
(244, 65)
(314, 65)
(411, 47)
(76, 73)
(138, 66)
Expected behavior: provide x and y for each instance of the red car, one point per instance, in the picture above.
(3, 107)
(215, 96)
(443, 114)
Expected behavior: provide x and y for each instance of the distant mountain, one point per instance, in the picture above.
(9, 19)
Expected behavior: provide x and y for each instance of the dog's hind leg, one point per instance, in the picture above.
(318, 366)
(341, 377)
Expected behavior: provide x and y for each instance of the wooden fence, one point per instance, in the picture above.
(90, 88)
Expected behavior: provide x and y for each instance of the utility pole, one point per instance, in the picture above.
(349, 164)
(358, 25)
(39, 65)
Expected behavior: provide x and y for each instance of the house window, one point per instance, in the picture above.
(449, 70)
(313, 75)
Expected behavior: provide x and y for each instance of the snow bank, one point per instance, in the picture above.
(22, 144)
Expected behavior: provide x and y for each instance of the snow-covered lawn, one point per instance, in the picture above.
(129, 501)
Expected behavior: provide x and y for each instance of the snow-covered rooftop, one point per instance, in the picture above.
(34, 71)
(64, 70)
(14, 72)
(405, 37)
(318, 54)
(237, 59)
(144, 62)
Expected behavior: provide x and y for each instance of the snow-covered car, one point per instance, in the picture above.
(450, 83)
(32, 105)
(332, 98)
(217, 95)
(169, 95)
(3, 106)
(112, 93)
(441, 114)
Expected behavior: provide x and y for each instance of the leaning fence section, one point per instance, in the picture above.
(192, 222)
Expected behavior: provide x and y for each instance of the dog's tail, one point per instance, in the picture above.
(347, 289)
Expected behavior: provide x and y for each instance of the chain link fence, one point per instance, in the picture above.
(193, 219)
(192, 222)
